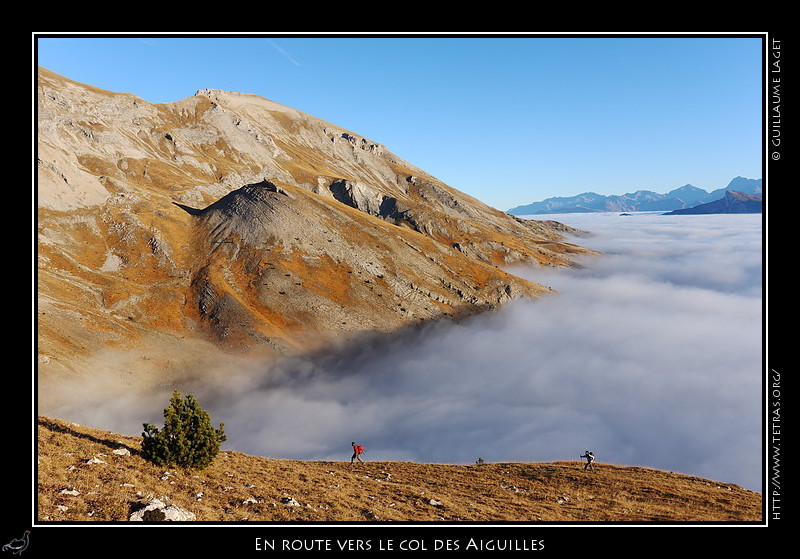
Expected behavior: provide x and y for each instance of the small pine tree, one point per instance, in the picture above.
(187, 440)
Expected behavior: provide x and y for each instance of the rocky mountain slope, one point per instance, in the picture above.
(226, 224)
(87, 474)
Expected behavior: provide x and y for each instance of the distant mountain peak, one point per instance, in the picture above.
(733, 202)
(232, 222)
(682, 197)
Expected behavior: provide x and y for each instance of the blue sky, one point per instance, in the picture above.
(507, 120)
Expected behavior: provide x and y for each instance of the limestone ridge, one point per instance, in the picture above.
(228, 221)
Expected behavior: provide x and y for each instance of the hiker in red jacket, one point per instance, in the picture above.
(358, 450)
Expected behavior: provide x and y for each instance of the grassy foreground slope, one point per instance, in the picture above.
(81, 478)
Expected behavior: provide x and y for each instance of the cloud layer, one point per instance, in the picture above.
(650, 355)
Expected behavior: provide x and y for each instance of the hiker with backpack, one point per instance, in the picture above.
(358, 450)
(589, 459)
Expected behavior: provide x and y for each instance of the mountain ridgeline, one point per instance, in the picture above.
(228, 224)
(238, 488)
(684, 198)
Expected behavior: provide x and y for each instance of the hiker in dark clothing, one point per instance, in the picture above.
(358, 450)
(589, 459)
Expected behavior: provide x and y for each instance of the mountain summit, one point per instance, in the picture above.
(734, 202)
(227, 224)
(680, 198)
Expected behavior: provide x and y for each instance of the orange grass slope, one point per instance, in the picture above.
(81, 479)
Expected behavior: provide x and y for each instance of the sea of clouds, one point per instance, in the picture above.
(649, 355)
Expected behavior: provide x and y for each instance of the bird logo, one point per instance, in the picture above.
(18, 545)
